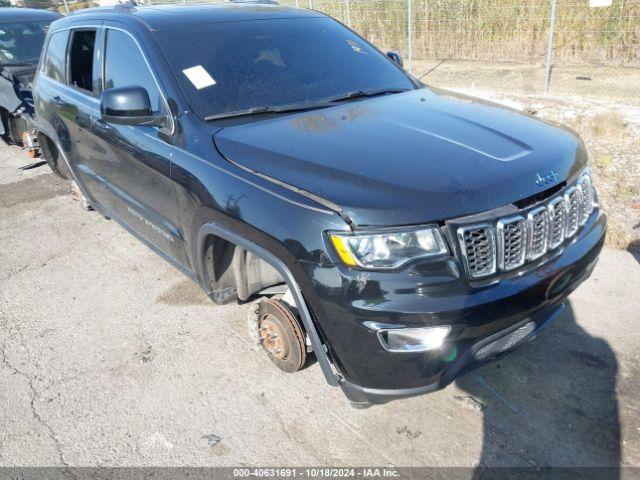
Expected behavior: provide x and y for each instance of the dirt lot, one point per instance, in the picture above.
(604, 83)
(109, 357)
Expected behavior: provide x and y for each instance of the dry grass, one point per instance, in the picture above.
(607, 124)
(613, 143)
(514, 30)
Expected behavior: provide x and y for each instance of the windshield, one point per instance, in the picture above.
(21, 42)
(239, 66)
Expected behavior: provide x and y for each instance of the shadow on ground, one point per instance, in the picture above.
(551, 403)
(634, 248)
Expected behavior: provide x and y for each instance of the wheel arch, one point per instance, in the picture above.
(52, 155)
(4, 121)
(211, 232)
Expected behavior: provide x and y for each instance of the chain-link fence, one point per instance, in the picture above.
(504, 45)
(561, 47)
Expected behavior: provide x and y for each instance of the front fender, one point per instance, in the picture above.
(309, 325)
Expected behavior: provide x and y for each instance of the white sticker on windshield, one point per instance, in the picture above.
(199, 77)
(355, 47)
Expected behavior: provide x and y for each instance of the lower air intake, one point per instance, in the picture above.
(505, 343)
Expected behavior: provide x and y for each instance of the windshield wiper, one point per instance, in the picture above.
(266, 109)
(299, 107)
(18, 64)
(365, 94)
(239, 113)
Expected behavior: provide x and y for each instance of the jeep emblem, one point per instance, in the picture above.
(547, 178)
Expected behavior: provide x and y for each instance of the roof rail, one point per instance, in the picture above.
(263, 2)
(129, 6)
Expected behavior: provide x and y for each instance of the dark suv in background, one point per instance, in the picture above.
(397, 233)
(22, 35)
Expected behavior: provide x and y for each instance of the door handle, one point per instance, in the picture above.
(58, 101)
(100, 124)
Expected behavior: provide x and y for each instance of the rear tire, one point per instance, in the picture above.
(51, 155)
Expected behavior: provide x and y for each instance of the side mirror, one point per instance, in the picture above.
(395, 58)
(128, 106)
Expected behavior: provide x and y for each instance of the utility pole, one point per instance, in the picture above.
(347, 13)
(410, 33)
(547, 76)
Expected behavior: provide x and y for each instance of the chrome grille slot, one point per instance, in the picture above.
(512, 242)
(479, 249)
(557, 219)
(538, 222)
(573, 200)
(586, 191)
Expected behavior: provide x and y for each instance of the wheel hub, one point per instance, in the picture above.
(272, 334)
(281, 336)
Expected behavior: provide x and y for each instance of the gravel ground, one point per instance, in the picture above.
(109, 357)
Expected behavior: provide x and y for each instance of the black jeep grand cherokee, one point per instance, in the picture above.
(401, 233)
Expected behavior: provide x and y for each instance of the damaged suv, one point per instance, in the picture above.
(22, 34)
(399, 234)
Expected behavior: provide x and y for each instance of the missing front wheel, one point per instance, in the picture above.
(281, 335)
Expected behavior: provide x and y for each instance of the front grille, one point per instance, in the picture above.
(586, 192)
(538, 222)
(557, 219)
(511, 242)
(512, 238)
(480, 247)
(573, 200)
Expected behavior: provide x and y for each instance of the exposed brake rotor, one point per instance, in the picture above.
(28, 143)
(281, 336)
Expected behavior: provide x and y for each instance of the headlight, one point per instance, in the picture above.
(389, 249)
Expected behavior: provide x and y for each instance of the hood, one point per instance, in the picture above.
(408, 158)
(15, 86)
(22, 75)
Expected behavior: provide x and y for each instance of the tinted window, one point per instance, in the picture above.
(125, 66)
(81, 59)
(54, 63)
(21, 42)
(239, 65)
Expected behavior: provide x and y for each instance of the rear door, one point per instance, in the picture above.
(49, 85)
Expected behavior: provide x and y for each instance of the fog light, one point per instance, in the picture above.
(413, 339)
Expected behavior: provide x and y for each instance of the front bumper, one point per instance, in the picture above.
(465, 362)
(433, 294)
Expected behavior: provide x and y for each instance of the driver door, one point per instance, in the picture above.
(134, 164)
